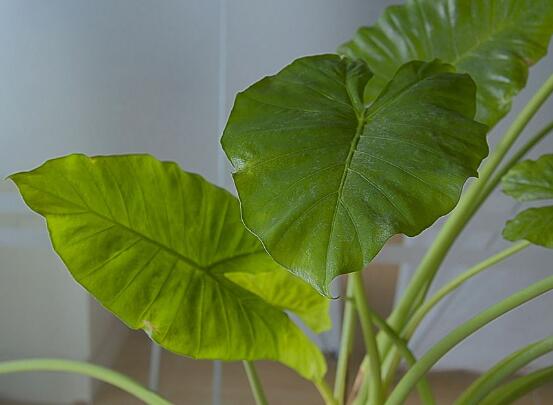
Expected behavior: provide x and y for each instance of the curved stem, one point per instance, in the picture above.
(426, 362)
(376, 396)
(391, 361)
(456, 282)
(423, 386)
(255, 383)
(346, 343)
(77, 367)
(505, 368)
(326, 392)
(519, 154)
(513, 390)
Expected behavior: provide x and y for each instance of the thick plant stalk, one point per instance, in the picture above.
(426, 362)
(91, 370)
(255, 383)
(392, 359)
(479, 389)
(513, 390)
(346, 343)
(376, 395)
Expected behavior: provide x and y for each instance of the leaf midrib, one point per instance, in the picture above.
(160, 245)
(352, 149)
(362, 119)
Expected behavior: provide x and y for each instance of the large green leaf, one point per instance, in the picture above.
(495, 41)
(531, 181)
(324, 182)
(155, 245)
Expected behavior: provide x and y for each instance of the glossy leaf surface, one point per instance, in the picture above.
(155, 245)
(531, 181)
(324, 182)
(495, 41)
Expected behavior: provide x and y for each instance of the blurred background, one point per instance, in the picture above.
(122, 76)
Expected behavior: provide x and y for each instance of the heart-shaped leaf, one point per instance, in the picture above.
(158, 246)
(495, 41)
(324, 181)
(531, 181)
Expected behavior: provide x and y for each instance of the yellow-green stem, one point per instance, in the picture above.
(326, 392)
(376, 394)
(447, 289)
(346, 343)
(255, 383)
(91, 370)
(391, 361)
(426, 362)
(480, 388)
(509, 392)
(425, 392)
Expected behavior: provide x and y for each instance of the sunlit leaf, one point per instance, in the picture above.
(284, 290)
(495, 41)
(155, 245)
(324, 182)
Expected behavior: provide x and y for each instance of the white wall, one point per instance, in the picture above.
(120, 76)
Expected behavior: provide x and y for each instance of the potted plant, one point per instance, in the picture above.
(332, 156)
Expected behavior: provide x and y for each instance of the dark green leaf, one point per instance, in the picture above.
(529, 181)
(495, 41)
(158, 246)
(325, 182)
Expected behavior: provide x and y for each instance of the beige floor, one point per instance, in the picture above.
(185, 381)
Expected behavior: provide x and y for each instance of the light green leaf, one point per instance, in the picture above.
(530, 181)
(495, 41)
(324, 182)
(286, 291)
(154, 245)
